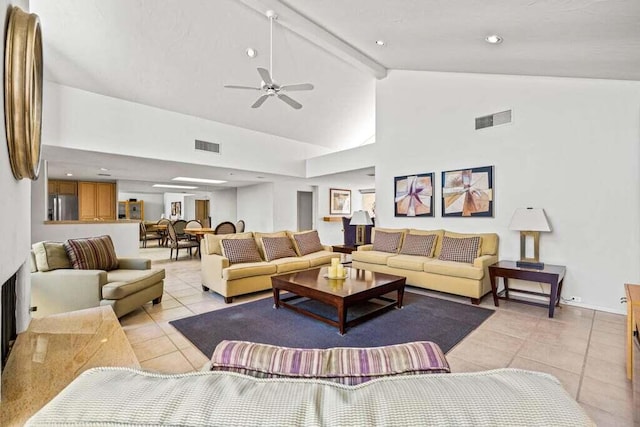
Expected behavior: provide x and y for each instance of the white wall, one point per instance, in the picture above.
(153, 203)
(170, 198)
(256, 206)
(74, 118)
(223, 206)
(342, 161)
(331, 232)
(572, 149)
(285, 204)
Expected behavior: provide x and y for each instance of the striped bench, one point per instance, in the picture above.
(342, 365)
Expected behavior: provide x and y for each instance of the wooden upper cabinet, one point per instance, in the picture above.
(69, 188)
(96, 200)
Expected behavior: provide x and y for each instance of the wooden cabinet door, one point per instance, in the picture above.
(52, 187)
(106, 200)
(68, 188)
(87, 201)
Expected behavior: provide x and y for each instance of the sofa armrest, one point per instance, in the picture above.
(365, 248)
(65, 290)
(211, 267)
(134, 263)
(328, 248)
(485, 261)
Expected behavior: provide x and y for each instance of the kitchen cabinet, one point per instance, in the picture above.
(131, 210)
(63, 188)
(97, 200)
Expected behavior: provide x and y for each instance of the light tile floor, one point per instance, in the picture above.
(584, 349)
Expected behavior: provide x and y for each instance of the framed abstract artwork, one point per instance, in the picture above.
(339, 202)
(468, 192)
(414, 195)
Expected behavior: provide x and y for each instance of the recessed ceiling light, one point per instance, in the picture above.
(201, 180)
(251, 52)
(104, 169)
(380, 42)
(184, 187)
(493, 39)
(69, 174)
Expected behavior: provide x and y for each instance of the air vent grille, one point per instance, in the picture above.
(495, 119)
(211, 147)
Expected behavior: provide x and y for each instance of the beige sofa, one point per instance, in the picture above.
(469, 280)
(231, 280)
(60, 290)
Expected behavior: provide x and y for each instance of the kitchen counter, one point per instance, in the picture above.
(102, 221)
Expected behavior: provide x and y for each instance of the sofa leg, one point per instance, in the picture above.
(157, 300)
(475, 301)
(205, 289)
(228, 300)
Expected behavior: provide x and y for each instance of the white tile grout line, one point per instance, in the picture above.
(586, 354)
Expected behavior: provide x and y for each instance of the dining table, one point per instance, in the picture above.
(199, 233)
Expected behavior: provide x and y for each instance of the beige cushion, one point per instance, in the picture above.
(50, 256)
(372, 257)
(407, 262)
(122, 283)
(32, 263)
(317, 259)
(212, 241)
(454, 269)
(438, 244)
(285, 265)
(258, 236)
(250, 269)
(488, 241)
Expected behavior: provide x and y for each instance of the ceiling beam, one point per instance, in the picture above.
(294, 21)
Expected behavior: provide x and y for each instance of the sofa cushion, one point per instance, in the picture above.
(248, 269)
(50, 256)
(342, 365)
(460, 250)
(323, 257)
(454, 269)
(408, 262)
(488, 241)
(93, 253)
(387, 242)
(122, 283)
(240, 250)
(277, 247)
(414, 244)
(212, 241)
(258, 237)
(307, 242)
(372, 257)
(287, 265)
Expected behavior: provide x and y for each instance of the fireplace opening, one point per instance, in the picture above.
(8, 317)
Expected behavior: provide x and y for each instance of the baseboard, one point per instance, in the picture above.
(595, 307)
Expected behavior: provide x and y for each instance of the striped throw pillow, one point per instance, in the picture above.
(308, 243)
(240, 250)
(460, 250)
(415, 244)
(277, 247)
(386, 242)
(93, 253)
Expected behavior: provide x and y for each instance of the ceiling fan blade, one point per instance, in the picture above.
(295, 104)
(241, 87)
(302, 86)
(260, 101)
(266, 77)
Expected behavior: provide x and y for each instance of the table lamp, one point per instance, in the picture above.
(360, 219)
(529, 222)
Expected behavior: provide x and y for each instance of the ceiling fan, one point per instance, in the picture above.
(268, 85)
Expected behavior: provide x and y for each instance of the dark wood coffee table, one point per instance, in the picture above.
(358, 287)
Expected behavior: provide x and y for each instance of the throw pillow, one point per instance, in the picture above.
(418, 245)
(277, 247)
(308, 243)
(94, 253)
(460, 250)
(240, 250)
(386, 242)
(50, 256)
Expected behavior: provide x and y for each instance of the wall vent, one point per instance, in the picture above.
(211, 147)
(492, 120)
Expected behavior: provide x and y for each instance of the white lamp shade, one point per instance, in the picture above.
(361, 218)
(529, 219)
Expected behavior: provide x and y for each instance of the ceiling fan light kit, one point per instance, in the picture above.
(268, 84)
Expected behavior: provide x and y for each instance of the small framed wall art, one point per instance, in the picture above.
(414, 195)
(339, 202)
(468, 192)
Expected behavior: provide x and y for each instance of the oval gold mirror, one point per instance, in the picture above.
(23, 92)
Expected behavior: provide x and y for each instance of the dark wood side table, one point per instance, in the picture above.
(551, 274)
(344, 249)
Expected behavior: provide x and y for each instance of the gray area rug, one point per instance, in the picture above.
(422, 318)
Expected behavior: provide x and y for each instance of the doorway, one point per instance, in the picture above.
(305, 210)
(202, 212)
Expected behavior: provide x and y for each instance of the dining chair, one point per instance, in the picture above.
(164, 232)
(174, 242)
(225, 227)
(192, 224)
(240, 226)
(179, 226)
(148, 235)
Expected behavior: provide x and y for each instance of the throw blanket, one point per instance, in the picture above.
(122, 396)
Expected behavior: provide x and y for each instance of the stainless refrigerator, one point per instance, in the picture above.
(63, 207)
